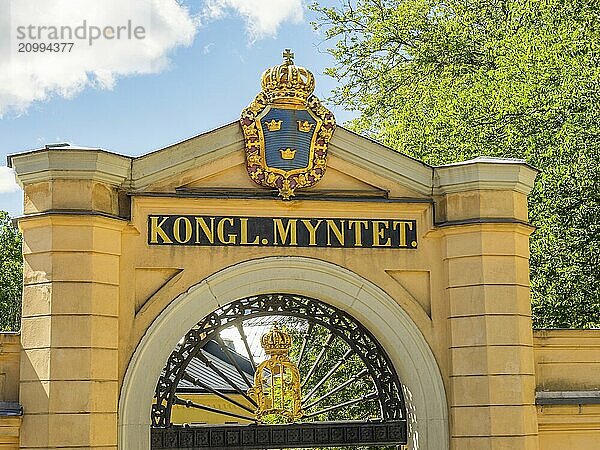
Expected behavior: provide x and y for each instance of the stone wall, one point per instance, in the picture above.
(567, 372)
(9, 390)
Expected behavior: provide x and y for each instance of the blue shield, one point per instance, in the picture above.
(288, 136)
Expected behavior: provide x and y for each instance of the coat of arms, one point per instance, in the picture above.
(287, 130)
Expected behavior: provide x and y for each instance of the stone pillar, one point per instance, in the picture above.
(70, 327)
(485, 235)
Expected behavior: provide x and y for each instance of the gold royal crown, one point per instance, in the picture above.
(276, 341)
(274, 125)
(287, 153)
(287, 83)
(304, 126)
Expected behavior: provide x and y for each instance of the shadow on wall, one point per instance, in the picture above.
(10, 409)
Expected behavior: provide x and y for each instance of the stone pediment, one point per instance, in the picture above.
(214, 162)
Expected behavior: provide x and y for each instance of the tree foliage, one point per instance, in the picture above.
(445, 81)
(335, 351)
(11, 274)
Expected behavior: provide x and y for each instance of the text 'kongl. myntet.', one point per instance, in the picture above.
(281, 232)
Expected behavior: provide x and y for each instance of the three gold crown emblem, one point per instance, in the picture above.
(277, 130)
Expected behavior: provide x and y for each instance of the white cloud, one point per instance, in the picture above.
(7, 180)
(263, 17)
(26, 77)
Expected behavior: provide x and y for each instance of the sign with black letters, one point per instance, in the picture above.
(281, 231)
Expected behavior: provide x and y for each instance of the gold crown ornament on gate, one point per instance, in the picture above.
(276, 388)
(287, 130)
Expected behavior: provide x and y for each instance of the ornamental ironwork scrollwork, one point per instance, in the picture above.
(340, 325)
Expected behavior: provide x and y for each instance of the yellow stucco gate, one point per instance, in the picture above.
(124, 255)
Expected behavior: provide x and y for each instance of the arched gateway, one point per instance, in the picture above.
(400, 338)
(419, 273)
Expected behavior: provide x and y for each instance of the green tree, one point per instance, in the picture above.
(445, 81)
(317, 340)
(11, 274)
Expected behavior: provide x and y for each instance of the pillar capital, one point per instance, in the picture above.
(482, 189)
(63, 178)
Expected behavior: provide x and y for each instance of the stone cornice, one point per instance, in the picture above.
(567, 397)
(484, 173)
(71, 164)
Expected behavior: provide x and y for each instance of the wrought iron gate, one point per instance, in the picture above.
(351, 394)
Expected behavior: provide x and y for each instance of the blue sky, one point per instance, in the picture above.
(204, 85)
